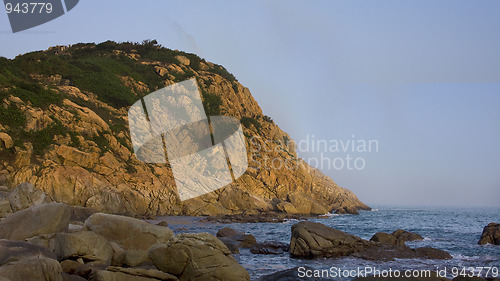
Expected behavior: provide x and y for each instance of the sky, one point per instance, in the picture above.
(421, 79)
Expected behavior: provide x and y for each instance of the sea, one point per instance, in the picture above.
(453, 229)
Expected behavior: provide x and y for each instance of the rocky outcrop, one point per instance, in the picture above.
(74, 143)
(134, 236)
(196, 257)
(407, 235)
(310, 239)
(270, 248)
(491, 234)
(36, 220)
(386, 238)
(240, 238)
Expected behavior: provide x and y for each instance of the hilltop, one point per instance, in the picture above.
(63, 128)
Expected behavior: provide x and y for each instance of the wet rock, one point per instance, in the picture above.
(231, 244)
(386, 238)
(242, 240)
(134, 236)
(270, 248)
(199, 256)
(310, 239)
(491, 234)
(407, 235)
(36, 220)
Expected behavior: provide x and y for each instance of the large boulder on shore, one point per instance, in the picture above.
(20, 261)
(36, 220)
(87, 245)
(310, 239)
(134, 236)
(197, 257)
(491, 234)
(240, 238)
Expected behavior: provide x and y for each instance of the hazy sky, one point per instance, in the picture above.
(421, 78)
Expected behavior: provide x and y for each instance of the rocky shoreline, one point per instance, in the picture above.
(44, 240)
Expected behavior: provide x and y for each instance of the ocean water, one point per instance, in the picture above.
(455, 230)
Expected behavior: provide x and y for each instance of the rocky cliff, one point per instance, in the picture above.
(63, 128)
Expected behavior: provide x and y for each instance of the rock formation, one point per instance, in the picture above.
(312, 240)
(64, 129)
(491, 234)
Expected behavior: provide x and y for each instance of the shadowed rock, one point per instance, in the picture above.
(36, 220)
(270, 248)
(134, 236)
(197, 257)
(491, 234)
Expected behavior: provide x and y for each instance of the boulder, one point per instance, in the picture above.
(36, 220)
(270, 248)
(242, 240)
(118, 255)
(87, 245)
(134, 236)
(5, 208)
(386, 238)
(26, 195)
(199, 256)
(70, 266)
(80, 214)
(406, 235)
(21, 261)
(491, 234)
(231, 244)
(310, 239)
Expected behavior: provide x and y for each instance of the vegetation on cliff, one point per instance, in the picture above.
(63, 127)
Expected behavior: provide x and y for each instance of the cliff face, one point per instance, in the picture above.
(63, 128)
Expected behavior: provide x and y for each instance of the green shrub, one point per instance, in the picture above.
(12, 116)
(248, 121)
(212, 103)
(42, 139)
